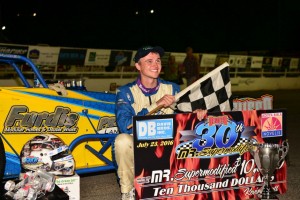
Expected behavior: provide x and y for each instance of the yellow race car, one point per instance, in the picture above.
(83, 120)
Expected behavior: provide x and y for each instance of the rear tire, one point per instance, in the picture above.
(2, 159)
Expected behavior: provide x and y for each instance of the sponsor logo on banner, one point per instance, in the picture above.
(97, 57)
(277, 62)
(237, 61)
(294, 64)
(43, 55)
(21, 120)
(256, 62)
(271, 124)
(71, 56)
(92, 56)
(155, 129)
(11, 49)
(34, 54)
(208, 60)
(120, 58)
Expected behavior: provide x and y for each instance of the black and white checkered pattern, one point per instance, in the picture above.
(202, 142)
(211, 93)
(243, 141)
(188, 145)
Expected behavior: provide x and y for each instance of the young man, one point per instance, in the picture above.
(139, 98)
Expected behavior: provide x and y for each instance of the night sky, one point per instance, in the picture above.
(207, 26)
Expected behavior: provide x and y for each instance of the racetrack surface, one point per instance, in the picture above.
(104, 185)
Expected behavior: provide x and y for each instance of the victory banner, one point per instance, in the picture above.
(179, 157)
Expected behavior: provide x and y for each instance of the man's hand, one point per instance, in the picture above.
(200, 113)
(166, 101)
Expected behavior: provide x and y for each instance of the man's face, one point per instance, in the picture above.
(149, 66)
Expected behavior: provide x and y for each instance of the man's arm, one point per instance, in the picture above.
(125, 111)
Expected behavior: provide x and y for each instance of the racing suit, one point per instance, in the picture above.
(132, 99)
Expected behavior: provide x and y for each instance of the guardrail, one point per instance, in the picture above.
(236, 72)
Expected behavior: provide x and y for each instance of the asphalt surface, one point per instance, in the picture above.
(104, 185)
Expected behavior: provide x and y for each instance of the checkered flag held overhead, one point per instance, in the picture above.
(212, 92)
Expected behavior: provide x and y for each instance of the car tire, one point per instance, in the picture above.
(2, 159)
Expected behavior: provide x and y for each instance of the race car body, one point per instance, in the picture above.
(84, 120)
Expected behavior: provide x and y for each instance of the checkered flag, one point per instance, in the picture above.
(212, 92)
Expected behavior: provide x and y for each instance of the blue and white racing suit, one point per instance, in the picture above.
(131, 101)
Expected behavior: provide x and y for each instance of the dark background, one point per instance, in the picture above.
(207, 26)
